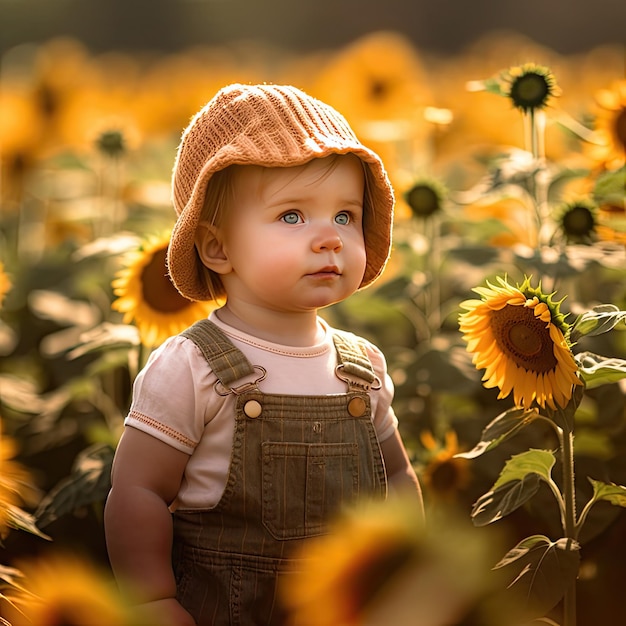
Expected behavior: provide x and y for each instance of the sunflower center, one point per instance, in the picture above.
(47, 101)
(371, 571)
(523, 338)
(530, 91)
(423, 200)
(157, 289)
(446, 476)
(378, 89)
(578, 220)
(620, 127)
(111, 143)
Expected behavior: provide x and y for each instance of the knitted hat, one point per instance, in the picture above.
(271, 126)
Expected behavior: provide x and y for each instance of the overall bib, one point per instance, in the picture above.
(295, 461)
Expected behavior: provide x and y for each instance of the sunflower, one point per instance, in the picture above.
(364, 551)
(378, 77)
(381, 564)
(610, 126)
(147, 296)
(379, 82)
(66, 590)
(425, 198)
(519, 336)
(15, 483)
(5, 283)
(578, 221)
(111, 143)
(444, 474)
(22, 131)
(531, 86)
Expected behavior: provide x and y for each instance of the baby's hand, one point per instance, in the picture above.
(167, 612)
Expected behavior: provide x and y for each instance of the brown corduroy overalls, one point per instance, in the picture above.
(295, 461)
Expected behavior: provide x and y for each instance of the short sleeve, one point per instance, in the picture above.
(169, 395)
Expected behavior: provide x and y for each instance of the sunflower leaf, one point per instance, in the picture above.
(490, 85)
(104, 337)
(500, 429)
(544, 569)
(610, 492)
(609, 187)
(9, 575)
(539, 462)
(88, 482)
(600, 319)
(599, 370)
(519, 481)
(21, 520)
(505, 499)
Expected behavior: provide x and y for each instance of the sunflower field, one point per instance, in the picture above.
(502, 315)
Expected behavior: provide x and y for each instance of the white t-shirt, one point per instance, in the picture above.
(174, 400)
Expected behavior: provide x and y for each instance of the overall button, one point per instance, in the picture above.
(356, 407)
(252, 408)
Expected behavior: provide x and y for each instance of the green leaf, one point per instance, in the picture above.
(493, 85)
(503, 427)
(615, 494)
(600, 319)
(532, 461)
(21, 520)
(518, 482)
(88, 482)
(598, 370)
(609, 187)
(505, 499)
(543, 568)
(105, 337)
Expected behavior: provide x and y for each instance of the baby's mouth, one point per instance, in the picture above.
(329, 270)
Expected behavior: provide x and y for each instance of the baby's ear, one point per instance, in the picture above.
(210, 248)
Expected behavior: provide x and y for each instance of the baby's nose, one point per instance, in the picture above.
(327, 239)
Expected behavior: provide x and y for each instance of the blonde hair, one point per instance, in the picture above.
(218, 195)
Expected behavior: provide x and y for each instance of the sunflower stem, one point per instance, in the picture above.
(569, 496)
(534, 132)
(434, 265)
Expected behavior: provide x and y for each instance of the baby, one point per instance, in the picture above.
(251, 429)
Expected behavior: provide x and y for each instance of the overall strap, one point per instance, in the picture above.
(227, 362)
(354, 366)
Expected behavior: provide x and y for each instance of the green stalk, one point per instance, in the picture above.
(433, 260)
(569, 497)
(534, 123)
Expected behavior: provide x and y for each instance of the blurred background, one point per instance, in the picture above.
(445, 26)
(93, 97)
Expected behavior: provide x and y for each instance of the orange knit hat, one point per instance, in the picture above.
(271, 126)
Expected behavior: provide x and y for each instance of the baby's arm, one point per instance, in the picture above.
(138, 525)
(400, 473)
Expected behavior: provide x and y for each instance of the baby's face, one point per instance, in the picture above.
(294, 236)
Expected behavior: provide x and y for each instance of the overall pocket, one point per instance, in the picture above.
(304, 484)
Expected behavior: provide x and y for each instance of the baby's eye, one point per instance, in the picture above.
(290, 218)
(343, 218)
